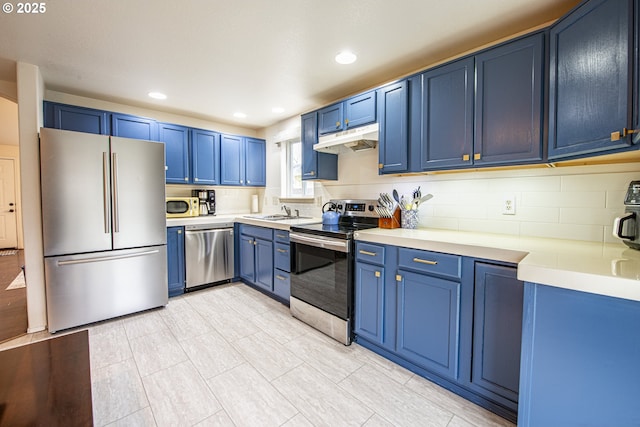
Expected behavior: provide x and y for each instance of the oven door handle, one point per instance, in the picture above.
(325, 243)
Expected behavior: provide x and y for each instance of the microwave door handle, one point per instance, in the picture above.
(618, 224)
(114, 192)
(105, 192)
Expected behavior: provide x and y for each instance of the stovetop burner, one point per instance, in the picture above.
(354, 215)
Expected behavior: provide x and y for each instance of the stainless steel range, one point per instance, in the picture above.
(322, 269)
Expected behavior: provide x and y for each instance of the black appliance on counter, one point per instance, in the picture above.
(626, 227)
(322, 273)
(207, 200)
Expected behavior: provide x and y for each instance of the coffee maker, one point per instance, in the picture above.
(207, 199)
(626, 227)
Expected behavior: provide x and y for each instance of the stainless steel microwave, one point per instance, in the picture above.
(181, 207)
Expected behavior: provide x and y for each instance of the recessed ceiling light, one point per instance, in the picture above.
(346, 57)
(277, 110)
(157, 95)
(239, 115)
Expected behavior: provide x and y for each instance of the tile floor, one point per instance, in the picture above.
(230, 356)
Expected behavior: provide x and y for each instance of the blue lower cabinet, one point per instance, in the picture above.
(247, 258)
(264, 264)
(580, 356)
(497, 333)
(429, 322)
(175, 260)
(281, 284)
(281, 257)
(369, 301)
(256, 256)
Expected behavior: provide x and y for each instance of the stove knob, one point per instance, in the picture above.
(370, 208)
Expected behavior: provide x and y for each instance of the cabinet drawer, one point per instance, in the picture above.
(281, 236)
(373, 254)
(259, 232)
(281, 284)
(436, 263)
(281, 257)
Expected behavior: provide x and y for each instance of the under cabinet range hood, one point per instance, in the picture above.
(360, 138)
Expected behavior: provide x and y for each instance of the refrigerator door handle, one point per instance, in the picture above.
(106, 258)
(114, 190)
(105, 192)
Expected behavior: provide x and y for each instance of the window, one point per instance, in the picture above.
(293, 185)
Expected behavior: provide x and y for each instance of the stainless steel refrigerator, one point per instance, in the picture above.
(104, 226)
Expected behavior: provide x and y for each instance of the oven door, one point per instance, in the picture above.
(321, 273)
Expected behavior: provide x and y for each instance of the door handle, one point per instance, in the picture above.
(11, 210)
(114, 191)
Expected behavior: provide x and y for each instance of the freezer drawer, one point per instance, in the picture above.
(208, 256)
(88, 288)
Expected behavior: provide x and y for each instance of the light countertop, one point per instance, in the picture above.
(605, 269)
(241, 218)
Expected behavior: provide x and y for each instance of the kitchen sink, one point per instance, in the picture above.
(277, 217)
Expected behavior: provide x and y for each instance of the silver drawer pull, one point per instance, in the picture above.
(425, 261)
(282, 251)
(368, 253)
(279, 277)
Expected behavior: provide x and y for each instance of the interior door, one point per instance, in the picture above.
(138, 200)
(8, 229)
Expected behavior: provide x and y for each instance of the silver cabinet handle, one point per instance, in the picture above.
(106, 258)
(425, 261)
(114, 189)
(282, 251)
(363, 252)
(279, 277)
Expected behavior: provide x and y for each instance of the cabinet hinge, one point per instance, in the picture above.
(476, 156)
(398, 278)
(377, 274)
(465, 157)
(615, 136)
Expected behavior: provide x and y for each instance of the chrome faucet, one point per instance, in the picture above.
(286, 209)
(297, 213)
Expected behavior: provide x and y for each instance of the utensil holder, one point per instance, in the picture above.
(410, 218)
(393, 222)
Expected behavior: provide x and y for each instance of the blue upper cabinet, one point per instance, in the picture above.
(447, 115)
(393, 115)
(205, 157)
(79, 119)
(315, 165)
(127, 126)
(232, 165)
(176, 142)
(255, 162)
(356, 111)
(508, 103)
(591, 86)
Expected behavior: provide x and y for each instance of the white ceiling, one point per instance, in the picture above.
(215, 57)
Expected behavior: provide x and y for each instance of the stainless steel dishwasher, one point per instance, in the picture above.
(208, 254)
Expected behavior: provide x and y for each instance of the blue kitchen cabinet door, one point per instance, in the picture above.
(78, 119)
(509, 102)
(231, 160)
(175, 260)
(393, 116)
(580, 357)
(205, 157)
(360, 110)
(127, 126)
(255, 162)
(497, 333)
(330, 119)
(315, 165)
(282, 284)
(264, 264)
(282, 256)
(369, 302)
(176, 145)
(591, 86)
(247, 258)
(447, 116)
(428, 322)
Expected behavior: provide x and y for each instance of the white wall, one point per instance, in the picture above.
(569, 202)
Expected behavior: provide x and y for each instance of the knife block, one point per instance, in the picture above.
(393, 222)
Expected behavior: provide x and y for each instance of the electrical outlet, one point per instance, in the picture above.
(509, 205)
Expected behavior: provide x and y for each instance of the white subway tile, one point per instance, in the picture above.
(563, 231)
(489, 226)
(578, 199)
(593, 216)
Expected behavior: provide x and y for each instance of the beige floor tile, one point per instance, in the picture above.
(281, 325)
(298, 421)
(328, 356)
(232, 326)
(186, 323)
(461, 407)
(141, 418)
(109, 347)
(377, 421)
(156, 351)
(266, 355)
(143, 324)
(117, 392)
(179, 396)
(219, 419)
(382, 365)
(320, 400)
(394, 402)
(211, 354)
(249, 399)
